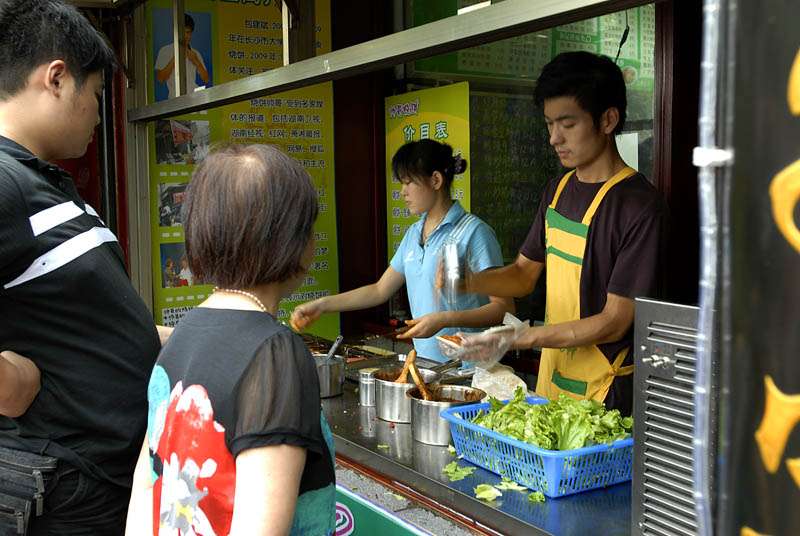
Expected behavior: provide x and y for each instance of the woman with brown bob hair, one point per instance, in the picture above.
(236, 440)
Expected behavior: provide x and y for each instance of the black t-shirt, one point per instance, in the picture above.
(228, 381)
(625, 252)
(66, 302)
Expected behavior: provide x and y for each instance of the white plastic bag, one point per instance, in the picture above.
(487, 347)
(499, 381)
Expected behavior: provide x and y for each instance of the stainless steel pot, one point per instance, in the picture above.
(427, 426)
(331, 374)
(390, 398)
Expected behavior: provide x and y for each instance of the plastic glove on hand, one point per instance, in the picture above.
(487, 347)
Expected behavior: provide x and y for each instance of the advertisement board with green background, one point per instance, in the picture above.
(440, 114)
(232, 40)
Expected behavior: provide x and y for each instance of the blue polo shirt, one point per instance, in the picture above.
(418, 265)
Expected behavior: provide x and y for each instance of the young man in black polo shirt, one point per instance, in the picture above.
(601, 233)
(68, 309)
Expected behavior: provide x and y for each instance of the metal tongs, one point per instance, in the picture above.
(447, 365)
(398, 331)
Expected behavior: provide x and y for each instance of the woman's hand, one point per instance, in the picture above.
(425, 326)
(306, 314)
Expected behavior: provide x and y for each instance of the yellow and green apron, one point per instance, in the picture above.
(583, 372)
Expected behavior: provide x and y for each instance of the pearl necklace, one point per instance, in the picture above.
(243, 293)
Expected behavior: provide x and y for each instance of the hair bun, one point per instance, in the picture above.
(459, 164)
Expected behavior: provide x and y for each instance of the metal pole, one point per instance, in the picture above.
(138, 185)
(713, 200)
(179, 43)
(286, 23)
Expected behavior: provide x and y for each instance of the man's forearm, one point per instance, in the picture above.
(162, 75)
(507, 281)
(20, 382)
(610, 325)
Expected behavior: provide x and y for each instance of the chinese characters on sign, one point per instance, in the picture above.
(441, 114)
(236, 39)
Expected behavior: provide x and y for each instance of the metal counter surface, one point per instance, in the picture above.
(357, 433)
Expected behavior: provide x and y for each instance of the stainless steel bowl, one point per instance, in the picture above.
(331, 374)
(427, 426)
(390, 398)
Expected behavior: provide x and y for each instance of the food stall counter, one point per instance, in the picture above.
(388, 451)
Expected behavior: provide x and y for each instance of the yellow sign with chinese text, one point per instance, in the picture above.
(440, 114)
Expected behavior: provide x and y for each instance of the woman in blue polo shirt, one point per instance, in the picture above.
(426, 169)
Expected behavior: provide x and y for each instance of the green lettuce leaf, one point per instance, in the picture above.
(536, 496)
(507, 484)
(456, 472)
(487, 492)
(562, 424)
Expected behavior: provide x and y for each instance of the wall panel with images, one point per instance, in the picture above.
(229, 40)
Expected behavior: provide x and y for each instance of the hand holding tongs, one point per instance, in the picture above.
(398, 331)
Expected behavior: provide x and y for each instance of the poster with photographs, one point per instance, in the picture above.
(175, 270)
(228, 41)
(170, 203)
(181, 141)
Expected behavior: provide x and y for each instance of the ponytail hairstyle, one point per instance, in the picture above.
(417, 160)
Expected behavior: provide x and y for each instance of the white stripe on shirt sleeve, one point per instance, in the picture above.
(54, 216)
(92, 212)
(64, 253)
(461, 226)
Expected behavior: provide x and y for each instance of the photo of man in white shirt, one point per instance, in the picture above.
(165, 63)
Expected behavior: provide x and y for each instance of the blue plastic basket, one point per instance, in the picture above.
(553, 472)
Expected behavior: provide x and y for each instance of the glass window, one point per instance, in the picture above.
(511, 159)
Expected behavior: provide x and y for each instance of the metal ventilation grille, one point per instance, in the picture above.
(665, 343)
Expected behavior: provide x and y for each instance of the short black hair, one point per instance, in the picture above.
(421, 158)
(248, 214)
(188, 21)
(40, 31)
(595, 81)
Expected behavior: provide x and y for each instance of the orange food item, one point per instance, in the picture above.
(403, 378)
(452, 338)
(415, 374)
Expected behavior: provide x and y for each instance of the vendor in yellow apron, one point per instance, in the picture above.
(583, 372)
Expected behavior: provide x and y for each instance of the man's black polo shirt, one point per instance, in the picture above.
(66, 302)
